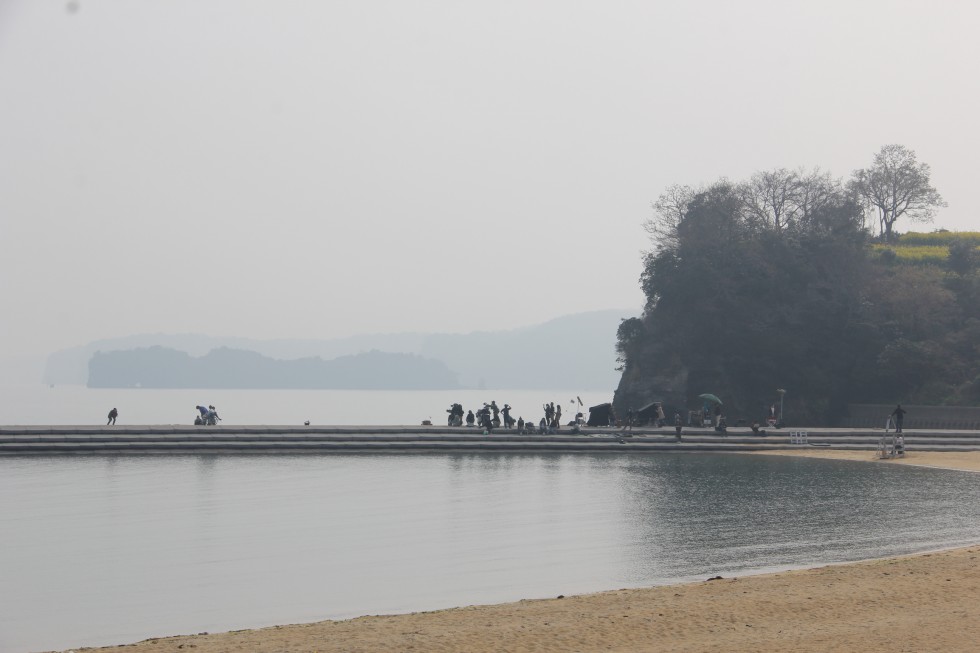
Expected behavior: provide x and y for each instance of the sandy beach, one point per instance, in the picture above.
(965, 460)
(926, 602)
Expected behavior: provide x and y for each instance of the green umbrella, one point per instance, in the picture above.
(710, 397)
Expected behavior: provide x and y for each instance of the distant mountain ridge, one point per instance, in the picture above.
(570, 352)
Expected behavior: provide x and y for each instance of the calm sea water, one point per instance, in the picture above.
(96, 551)
(39, 404)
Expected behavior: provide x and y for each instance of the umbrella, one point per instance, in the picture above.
(710, 397)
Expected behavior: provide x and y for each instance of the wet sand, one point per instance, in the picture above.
(965, 460)
(926, 602)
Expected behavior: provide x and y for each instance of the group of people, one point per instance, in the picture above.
(492, 416)
(488, 417)
(552, 415)
(208, 416)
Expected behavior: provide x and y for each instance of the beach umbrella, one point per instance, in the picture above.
(710, 397)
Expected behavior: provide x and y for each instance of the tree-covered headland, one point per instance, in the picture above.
(796, 280)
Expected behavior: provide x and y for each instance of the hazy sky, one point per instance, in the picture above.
(319, 169)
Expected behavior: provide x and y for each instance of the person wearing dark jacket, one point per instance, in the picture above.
(113, 414)
(899, 415)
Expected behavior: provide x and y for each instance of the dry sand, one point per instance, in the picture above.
(927, 602)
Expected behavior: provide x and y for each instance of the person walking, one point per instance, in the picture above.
(899, 415)
(113, 414)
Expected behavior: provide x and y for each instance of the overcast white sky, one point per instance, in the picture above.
(319, 169)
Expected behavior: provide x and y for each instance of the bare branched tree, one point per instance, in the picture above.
(783, 199)
(669, 210)
(771, 198)
(816, 190)
(896, 185)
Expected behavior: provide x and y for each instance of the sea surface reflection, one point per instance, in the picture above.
(111, 550)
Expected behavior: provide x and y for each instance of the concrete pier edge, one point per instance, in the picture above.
(54, 440)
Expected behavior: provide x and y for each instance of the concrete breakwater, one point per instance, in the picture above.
(179, 439)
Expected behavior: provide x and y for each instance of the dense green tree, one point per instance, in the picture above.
(963, 257)
(630, 331)
(731, 294)
(771, 283)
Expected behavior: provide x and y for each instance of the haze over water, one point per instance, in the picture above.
(77, 405)
(110, 550)
(323, 169)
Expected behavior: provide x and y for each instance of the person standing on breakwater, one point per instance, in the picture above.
(899, 415)
(113, 414)
(485, 421)
(678, 425)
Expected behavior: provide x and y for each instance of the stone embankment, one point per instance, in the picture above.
(177, 439)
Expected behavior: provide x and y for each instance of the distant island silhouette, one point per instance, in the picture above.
(574, 352)
(162, 367)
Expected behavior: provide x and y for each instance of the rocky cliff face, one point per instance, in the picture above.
(639, 387)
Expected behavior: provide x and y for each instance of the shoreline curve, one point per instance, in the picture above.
(925, 602)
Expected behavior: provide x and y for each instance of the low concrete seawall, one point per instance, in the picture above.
(179, 439)
(918, 417)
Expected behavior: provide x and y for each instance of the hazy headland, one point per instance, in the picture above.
(574, 351)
